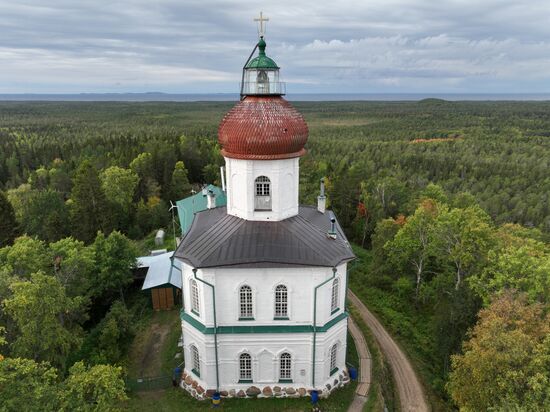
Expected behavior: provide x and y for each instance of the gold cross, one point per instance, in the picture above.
(261, 20)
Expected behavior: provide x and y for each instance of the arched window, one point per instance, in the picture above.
(335, 295)
(195, 361)
(281, 302)
(245, 367)
(262, 199)
(333, 355)
(285, 367)
(195, 307)
(245, 302)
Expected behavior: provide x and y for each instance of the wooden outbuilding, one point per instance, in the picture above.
(163, 280)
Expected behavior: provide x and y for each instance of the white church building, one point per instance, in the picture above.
(264, 278)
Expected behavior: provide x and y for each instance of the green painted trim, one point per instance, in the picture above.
(334, 311)
(281, 318)
(285, 380)
(196, 373)
(245, 381)
(332, 372)
(246, 319)
(195, 313)
(227, 330)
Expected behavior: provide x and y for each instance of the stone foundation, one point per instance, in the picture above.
(278, 391)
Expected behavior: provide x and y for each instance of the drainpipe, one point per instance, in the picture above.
(177, 268)
(222, 174)
(315, 323)
(215, 327)
(346, 291)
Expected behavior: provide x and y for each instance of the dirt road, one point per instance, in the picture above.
(411, 394)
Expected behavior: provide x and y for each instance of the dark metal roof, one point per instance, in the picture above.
(218, 239)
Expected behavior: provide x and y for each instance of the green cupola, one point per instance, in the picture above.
(262, 61)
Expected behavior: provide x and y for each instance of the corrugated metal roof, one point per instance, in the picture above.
(197, 203)
(218, 239)
(160, 270)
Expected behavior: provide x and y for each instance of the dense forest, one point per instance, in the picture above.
(448, 203)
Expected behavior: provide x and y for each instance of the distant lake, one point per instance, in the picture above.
(311, 97)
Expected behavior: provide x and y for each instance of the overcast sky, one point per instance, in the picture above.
(188, 46)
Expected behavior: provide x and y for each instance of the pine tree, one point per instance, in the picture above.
(179, 185)
(89, 205)
(8, 224)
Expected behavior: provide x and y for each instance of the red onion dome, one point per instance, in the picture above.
(263, 128)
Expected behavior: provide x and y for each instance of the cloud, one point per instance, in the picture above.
(200, 46)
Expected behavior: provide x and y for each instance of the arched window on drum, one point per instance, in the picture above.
(262, 198)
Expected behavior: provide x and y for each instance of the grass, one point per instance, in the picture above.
(352, 356)
(175, 399)
(152, 352)
(147, 244)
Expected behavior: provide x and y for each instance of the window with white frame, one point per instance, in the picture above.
(245, 302)
(333, 354)
(195, 360)
(281, 301)
(245, 367)
(195, 306)
(335, 295)
(262, 198)
(285, 366)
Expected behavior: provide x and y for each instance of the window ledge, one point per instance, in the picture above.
(245, 381)
(281, 318)
(197, 374)
(246, 319)
(263, 210)
(334, 311)
(332, 372)
(195, 313)
(285, 380)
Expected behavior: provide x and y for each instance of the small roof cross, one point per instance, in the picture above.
(261, 20)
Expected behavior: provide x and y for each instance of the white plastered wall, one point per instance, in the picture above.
(240, 179)
(300, 283)
(265, 348)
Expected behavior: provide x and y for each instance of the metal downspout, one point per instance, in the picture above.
(172, 267)
(346, 291)
(315, 323)
(215, 327)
